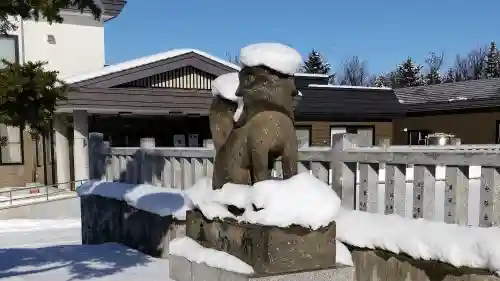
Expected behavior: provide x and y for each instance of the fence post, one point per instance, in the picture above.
(344, 174)
(145, 161)
(95, 146)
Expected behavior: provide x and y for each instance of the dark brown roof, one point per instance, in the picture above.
(347, 103)
(151, 101)
(471, 89)
(112, 8)
(464, 95)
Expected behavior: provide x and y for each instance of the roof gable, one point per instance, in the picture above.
(132, 70)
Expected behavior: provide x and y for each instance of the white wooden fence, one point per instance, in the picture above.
(352, 171)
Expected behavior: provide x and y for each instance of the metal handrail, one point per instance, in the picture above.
(46, 194)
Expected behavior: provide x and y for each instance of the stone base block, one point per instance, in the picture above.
(108, 220)
(101, 219)
(149, 233)
(268, 249)
(182, 269)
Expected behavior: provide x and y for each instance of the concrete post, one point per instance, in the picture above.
(61, 153)
(81, 145)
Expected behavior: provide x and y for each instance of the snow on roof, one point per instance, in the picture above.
(109, 69)
(301, 74)
(347, 87)
(143, 61)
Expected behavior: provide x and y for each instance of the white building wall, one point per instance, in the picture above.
(78, 44)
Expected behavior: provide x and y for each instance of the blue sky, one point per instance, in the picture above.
(381, 32)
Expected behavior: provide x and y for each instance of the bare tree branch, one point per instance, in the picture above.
(354, 72)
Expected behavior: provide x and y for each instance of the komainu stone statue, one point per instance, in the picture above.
(264, 132)
(221, 115)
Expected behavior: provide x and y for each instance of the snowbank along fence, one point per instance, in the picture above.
(353, 172)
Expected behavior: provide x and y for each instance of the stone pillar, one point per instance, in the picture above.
(61, 150)
(81, 145)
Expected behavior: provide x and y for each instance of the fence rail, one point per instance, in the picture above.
(19, 195)
(358, 174)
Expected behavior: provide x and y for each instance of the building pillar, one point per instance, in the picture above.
(61, 153)
(81, 145)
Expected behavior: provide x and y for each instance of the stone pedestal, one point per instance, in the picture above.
(268, 249)
(182, 269)
(101, 219)
(148, 232)
(107, 220)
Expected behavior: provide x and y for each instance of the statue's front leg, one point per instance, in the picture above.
(260, 165)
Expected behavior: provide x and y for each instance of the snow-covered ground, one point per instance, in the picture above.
(51, 250)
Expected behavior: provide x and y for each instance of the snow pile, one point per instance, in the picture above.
(342, 254)
(194, 252)
(158, 200)
(421, 239)
(301, 200)
(276, 56)
(113, 190)
(226, 86)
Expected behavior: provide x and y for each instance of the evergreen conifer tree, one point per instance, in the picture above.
(408, 74)
(491, 68)
(316, 64)
(29, 94)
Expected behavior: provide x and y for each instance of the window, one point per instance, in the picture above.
(368, 132)
(8, 48)
(11, 150)
(417, 137)
(303, 136)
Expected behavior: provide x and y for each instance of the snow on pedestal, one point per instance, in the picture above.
(473, 247)
(162, 201)
(302, 200)
(289, 221)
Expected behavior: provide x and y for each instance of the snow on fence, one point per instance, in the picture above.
(372, 179)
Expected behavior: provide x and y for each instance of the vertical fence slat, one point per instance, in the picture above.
(208, 167)
(123, 168)
(302, 167)
(146, 160)
(278, 169)
(424, 191)
(157, 169)
(456, 195)
(320, 170)
(187, 173)
(115, 164)
(176, 172)
(395, 189)
(130, 171)
(368, 187)
(343, 173)
(198, 169)
(167, 175)
(489, 197)
(108, 166)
